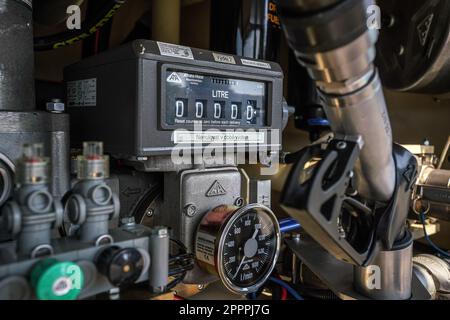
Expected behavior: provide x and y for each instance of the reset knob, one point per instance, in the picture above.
(122, 267)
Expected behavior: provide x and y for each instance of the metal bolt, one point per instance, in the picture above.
(150, 212)
(341, 145)
(201, 287)
(190, 210)
(127, 221)
(55, 106)
(239, 202)
(160, 231)
(114, 294)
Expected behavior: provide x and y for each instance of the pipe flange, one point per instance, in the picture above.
(76, 209)
(116, 204)
(101, 194)
(104, 240)
(40, 201)
(59, 213)
(13, 217)
(41, 251)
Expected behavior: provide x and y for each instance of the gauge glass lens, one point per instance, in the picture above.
(250, 245)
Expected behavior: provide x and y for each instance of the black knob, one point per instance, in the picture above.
(122, 267)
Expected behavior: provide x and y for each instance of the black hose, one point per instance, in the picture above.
(88, 28)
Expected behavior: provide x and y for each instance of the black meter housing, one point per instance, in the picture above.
(136, 97)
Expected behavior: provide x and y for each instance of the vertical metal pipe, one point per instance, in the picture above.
(16, 56)
(159, 252)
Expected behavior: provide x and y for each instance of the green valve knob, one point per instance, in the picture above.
(54, 280)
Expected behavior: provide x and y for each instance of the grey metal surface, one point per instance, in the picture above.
(92, 205)
(16, 56)
(415, 45)
(19, 128)
(364, 113)
(337, 275)
(31, 216)
(187, 198)
(388, 277)
(434, 273)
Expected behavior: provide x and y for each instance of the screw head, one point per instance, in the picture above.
(239, 202)
(190, 210)
(341, 145)
(55, 106)
(127, 220)
(149, 213)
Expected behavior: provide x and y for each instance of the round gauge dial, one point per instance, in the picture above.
(240, 245)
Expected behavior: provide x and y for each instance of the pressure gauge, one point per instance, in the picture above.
(240, 245)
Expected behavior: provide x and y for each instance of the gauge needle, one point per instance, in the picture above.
(243, 259)
(239, 268)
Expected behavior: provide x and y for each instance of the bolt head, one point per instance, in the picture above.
(239, 202)
(341, 145)
(160, 231)
(55, 106)
(190, 210)
(127, 220)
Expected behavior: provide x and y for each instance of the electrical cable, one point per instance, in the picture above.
(288, 224)
(427, 238)
(288, 288)
(182, 261)
(179, 264)
(88, 28)
(175, 282)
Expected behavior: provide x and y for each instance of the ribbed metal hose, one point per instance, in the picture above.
(16, 56)
(332, 40)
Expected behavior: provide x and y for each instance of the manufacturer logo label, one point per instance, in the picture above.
(216, 190)
(174, 78)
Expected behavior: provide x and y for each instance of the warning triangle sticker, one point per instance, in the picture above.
(216, 190)
(174, 78)
(424, 29)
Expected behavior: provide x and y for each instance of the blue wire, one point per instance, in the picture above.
(287, 287)
(431, 243)
(288, 224)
